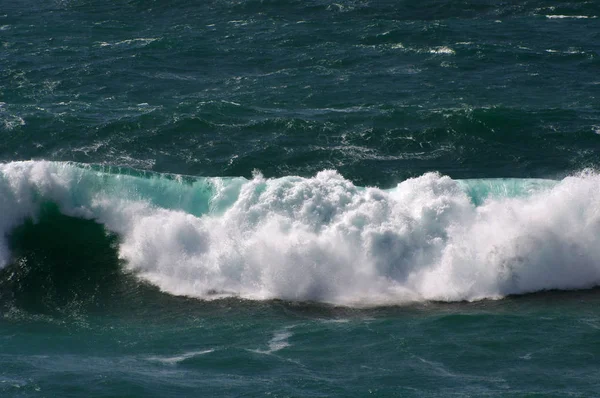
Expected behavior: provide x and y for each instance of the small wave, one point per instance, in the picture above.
(278, 342)
(172, 360)
(570, 17)
(138, 42)
(569, 52)
(12, 121)
(442, 50)
(335, 321)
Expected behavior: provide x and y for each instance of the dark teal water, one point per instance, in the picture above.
(299, 198)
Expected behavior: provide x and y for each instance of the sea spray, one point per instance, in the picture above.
(325, 239)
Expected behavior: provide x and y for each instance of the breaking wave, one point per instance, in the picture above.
(323, 238)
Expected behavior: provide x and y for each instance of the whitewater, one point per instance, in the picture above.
(323, 238)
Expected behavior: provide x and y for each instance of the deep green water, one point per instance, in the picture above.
(299, 198)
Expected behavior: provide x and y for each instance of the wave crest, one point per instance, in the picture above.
(325, 239)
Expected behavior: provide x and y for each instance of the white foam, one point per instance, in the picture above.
(10, 122)
(172, 360)
(137, 41)
(569, 16)
(278, 342)
(442, 50)
(325, 239)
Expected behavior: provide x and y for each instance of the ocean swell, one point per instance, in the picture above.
(323, 238)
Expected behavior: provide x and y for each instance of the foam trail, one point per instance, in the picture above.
(172, 360)
(278, 342)
(325, 239)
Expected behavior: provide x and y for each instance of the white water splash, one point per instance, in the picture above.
(325, 239)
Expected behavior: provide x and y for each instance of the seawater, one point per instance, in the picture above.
(299, 198)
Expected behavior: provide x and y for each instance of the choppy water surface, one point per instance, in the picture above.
(299, 198)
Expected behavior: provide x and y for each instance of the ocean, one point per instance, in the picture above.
(299, 198)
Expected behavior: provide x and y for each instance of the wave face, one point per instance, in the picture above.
(323, 238)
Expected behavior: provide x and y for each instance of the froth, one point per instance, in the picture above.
(325, 239)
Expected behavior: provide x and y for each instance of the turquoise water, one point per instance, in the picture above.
(299, 198)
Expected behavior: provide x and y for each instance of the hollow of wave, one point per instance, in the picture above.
(302, 239)
(60, 263)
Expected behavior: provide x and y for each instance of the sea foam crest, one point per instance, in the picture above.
(325, 239)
